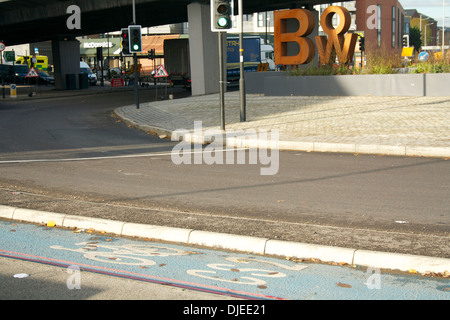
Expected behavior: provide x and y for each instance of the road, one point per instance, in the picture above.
(40, 262)
(380, 203)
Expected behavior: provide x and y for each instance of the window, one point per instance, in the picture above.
(261, 19)
(394, 14)
(379, 25)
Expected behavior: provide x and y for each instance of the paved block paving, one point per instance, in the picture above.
(362, 120)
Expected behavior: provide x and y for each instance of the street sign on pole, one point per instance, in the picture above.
(32, 73)
(161, 72)
(9, 56)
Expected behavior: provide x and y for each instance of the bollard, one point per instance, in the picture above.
(13, 91)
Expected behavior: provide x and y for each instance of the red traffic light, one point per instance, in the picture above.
(222, 9)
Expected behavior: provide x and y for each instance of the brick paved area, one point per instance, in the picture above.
(391, 125)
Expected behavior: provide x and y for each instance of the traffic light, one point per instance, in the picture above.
(221, 14)
(405, 41)
(362, 41)
(125, 41)
(135, 33)
(151, 54)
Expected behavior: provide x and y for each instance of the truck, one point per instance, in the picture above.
(255, 53)
(177, 63)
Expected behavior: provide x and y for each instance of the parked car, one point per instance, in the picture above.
(45, 78)
(20, 73)
(6, 73)
(85, 69)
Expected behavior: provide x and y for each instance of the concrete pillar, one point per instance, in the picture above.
(203, 50)
(66, 59)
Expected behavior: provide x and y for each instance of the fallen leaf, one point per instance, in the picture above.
(262, 287)
(343, 285)
(193, 252)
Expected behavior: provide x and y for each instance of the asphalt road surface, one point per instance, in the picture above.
(42, 263)
(67, 155)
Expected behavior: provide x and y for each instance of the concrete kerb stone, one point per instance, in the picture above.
(228, 241)
(177, 235)
(7, 212)
(289, 145)
(263, 246)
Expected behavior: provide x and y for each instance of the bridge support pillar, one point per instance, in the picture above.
(203, 50)
(66, 59)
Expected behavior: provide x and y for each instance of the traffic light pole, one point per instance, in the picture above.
(136, 81)
(222, 80)
(243, 102)
(136, 74)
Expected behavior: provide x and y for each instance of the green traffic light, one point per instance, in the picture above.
(222, 22)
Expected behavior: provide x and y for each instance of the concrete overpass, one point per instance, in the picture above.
(26, 21)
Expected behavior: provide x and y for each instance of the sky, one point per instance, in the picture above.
(431, 8)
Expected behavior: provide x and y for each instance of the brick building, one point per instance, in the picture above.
(427, 26)
(383, 23)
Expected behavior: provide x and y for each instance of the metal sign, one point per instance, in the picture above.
(13, 91)
(32, 73)
(161, 72)
(407, 51)
(423, 56)
(9, 56)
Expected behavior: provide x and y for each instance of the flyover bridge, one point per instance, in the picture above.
(27, 21)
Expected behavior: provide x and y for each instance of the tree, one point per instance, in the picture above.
(415, 39)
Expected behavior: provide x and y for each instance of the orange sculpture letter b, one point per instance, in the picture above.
(282, 37)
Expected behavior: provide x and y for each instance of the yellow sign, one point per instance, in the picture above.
(262, 67)
(407, 52)
(438, 55)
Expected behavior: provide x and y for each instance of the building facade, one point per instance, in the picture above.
(383, 23)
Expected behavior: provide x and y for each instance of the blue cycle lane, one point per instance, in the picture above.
(224, 273)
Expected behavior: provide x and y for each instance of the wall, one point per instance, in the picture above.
(278, 84)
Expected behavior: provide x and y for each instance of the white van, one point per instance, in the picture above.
(84, 68)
